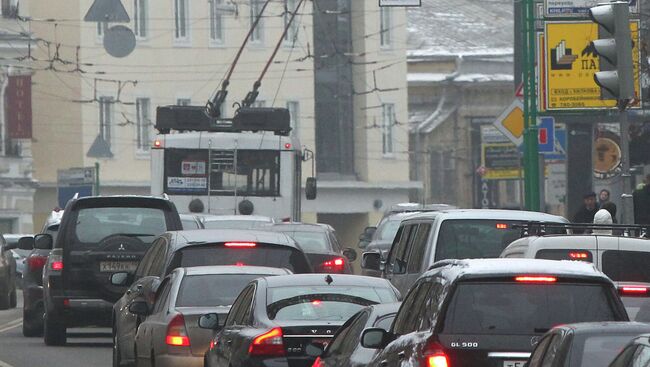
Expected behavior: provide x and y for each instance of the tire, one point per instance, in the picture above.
(32, 325)
(54, 332)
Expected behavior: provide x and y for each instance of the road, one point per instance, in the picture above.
(86, 347)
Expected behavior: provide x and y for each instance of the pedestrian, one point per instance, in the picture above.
(603, 197)
(642, 202)
(603, 217)
(611, 208)
(588, 210)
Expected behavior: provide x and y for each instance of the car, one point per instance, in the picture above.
(170, 334)
(98, 236)
(32, 282)
(589, 344)
(321, 245)
(276, 319)
(426, 238)
(383, 237)
(635, 354)
(491, 312)
(235, 221)
(626, 260)
(19, 254)
(7, 275)
(345, 350)
(202, 247)
(191, 222)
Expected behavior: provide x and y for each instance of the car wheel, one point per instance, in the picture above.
(32, 324)
(54, 332)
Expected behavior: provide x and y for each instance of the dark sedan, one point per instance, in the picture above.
(276, 319)
(7, 275)
(321, 245)
(345, 350)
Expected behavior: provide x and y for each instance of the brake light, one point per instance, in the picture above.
(240, 244)
(213, 343)
(578, 255)
(36, 263)
(438, 360)
(502, 226)
(317, 363)
(316, 302)
(335, 265)
(239, 263)
(633, 290)
(56, 265)
(269, 344)
(157, 144)
(177, 333)
(536, 279)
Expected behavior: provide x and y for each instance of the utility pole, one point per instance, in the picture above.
(531, 151)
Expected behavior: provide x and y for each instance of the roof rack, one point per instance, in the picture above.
(443, 263)
(536, 228)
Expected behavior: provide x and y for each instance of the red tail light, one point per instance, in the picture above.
(177, 333)
(502, 226)
(633, 290)
(317, 363)
(56, 265)
(578, 255)
(36, 263)
(333, 266)
(536, 279)
(240, 244)
(438, 360)
(269, 344)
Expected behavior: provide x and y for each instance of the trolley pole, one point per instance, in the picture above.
(531, 151)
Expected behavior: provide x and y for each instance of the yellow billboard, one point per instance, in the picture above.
(570, 65)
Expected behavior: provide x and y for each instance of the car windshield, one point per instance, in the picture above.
(333, 303)
(234, 224)
(507, 308)
(598, 350)
(95, 224)
(388, 230)
(475, 238)
(311, 241)
(212, 290)
(260, 255)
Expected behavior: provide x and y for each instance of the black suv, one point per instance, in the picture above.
(491, 312)
(98, 236)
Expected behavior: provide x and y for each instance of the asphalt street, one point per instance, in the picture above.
(86, 347)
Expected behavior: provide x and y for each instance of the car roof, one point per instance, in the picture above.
(299, 227)
(598, 328)
(562, 241)
(491, 214)
(252, 218)
(230, 269)
(117, 200)
(319, 279)
(202, 236)
(490, 268)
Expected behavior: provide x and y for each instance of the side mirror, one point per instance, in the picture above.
(366, 237)
(374, 338)
(371, 261)
(209, 321)
(120, 279)
(311, 188)
(314, 349)
(350, 254)
(140, 308)
(43, 241)
(26, 243)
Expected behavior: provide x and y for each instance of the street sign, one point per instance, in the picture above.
(501, 161)
(109, 11)
(559, 153)
(570, 65)
(75, 181)
(546, 134)
(577, 8)
(519, 92)
(400, 2)
(511, 122)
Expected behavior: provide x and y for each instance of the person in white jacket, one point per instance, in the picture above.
(603, 216)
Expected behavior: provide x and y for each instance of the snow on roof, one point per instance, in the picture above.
(442, 28)
(416, 78)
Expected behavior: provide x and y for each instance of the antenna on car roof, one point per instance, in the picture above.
(328, 279)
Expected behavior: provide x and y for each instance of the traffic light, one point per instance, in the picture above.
(615, 47)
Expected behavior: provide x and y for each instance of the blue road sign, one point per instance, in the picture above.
(67, 193)
(546, 128)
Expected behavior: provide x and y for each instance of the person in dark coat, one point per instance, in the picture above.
(642, 203)
(588, 211)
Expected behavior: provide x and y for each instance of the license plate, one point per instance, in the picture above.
(514, 363)
(117, 266)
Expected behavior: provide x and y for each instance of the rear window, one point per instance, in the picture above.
(598, 351)
(95, 224)
(260, 255)
(631, 266)
(234, 224)
(475, 238)
(388, 230)
(504, 308)
(333, 303)
(554, 254)
(311, 241)
(212, 290)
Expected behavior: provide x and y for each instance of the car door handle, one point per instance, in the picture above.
(401, 355)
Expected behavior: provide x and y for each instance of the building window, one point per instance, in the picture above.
(140, 18)
(183, 101)
(292, 32)
(385, 26)
(181, 19)
(255, 10)
(142, 106)
(294, 113)
(106, 119)
(216, 21)
(387, 126)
